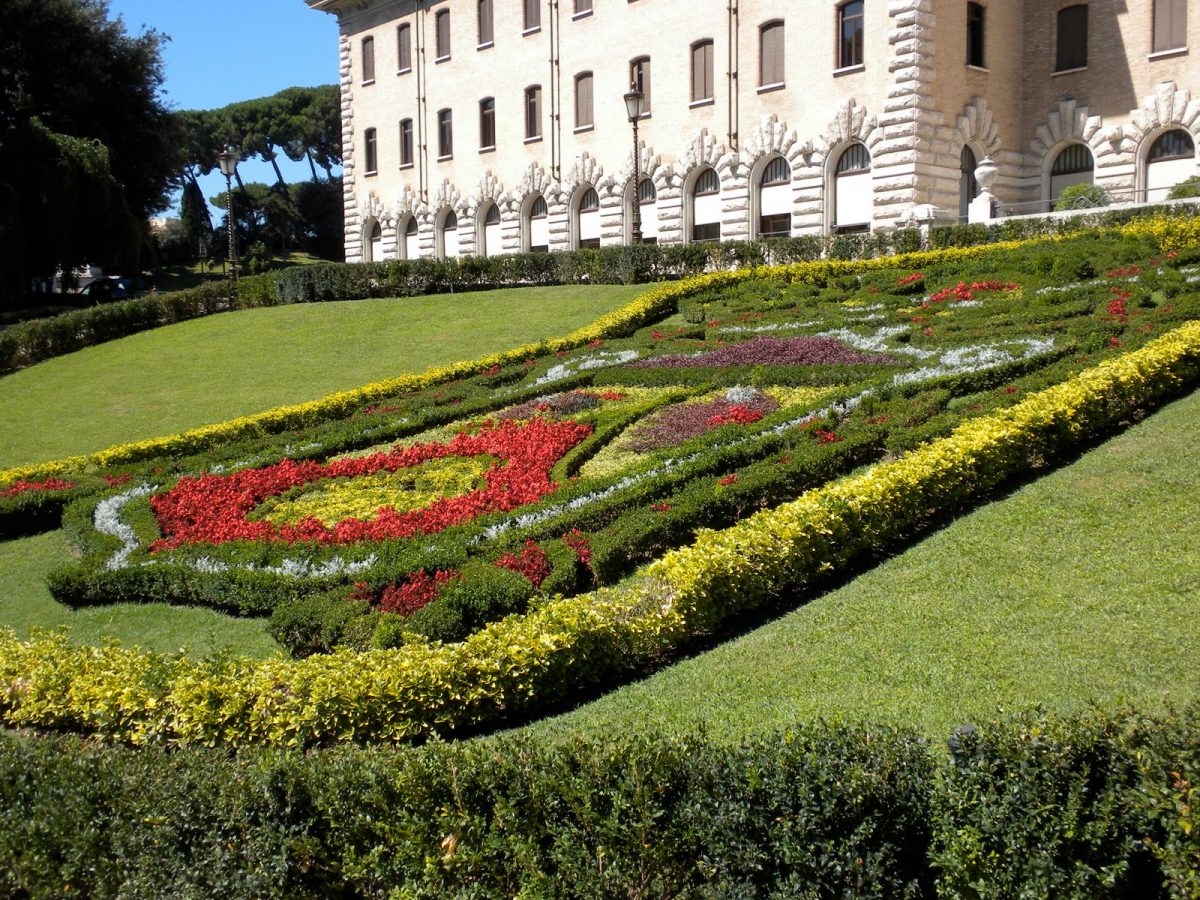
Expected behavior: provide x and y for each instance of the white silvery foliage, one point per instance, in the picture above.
(742, 394)
(303, 568)
(594, 361)
(107, 520)
(209, 566)
(965, 360)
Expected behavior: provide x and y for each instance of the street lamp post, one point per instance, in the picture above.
(228, 159)
(633, 108)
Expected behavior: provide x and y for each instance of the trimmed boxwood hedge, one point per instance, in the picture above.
(1033, 806)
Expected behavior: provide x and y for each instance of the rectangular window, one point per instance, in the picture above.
(850, 34)
(1072, 38)
(443, 35)
(770, 55)
(639, 74)
(368, 59)
(445, 135)
(583, 100)
(775, 225)
(583, 7)
(485, 23)
(404, 48)
(487, 123)
(370, 152)
(533, 112)
(406, 143)
(1170, 25)
(702, 71)
(975, 19)
(709, 231)
(533, 15)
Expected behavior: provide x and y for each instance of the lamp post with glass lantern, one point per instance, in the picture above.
(633, 108)
(228, 159)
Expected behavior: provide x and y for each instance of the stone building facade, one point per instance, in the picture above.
(497, 126)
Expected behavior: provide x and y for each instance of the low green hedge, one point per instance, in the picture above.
(31, 342)
(1026, 807)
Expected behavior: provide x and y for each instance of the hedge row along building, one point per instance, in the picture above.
(499, 126)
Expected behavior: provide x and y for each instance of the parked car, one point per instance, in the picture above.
(104, 290)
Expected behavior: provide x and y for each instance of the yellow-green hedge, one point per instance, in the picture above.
(524, 662)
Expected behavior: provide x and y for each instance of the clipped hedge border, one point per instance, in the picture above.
(525, 662)
(1029, 806)
(653, 303)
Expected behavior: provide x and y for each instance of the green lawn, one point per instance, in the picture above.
(26, 604)
(215, 368)
(1081, 588)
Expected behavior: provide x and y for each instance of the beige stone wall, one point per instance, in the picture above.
(915, 103)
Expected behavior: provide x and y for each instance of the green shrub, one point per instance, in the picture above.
(315, 623)
(1081, 196)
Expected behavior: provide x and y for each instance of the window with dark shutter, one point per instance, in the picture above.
(850, 34)
(485, 23)
(533, 112)
(1072, 38)
(370, 152)
(368, 59)
(442, 22)
(583, 100)
(702, 71)
(404, 49)
(487, 123)
(639, 74)
(1170, 25)
(445, 134)
(406, 142)
(770, 58)
(975, 20)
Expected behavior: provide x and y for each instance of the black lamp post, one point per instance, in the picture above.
(633, 108)
(228, 159)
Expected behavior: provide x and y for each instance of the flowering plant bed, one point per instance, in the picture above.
(429, 512)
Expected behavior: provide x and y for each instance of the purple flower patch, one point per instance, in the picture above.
(770, 351)
(551, 406)
(672, 426)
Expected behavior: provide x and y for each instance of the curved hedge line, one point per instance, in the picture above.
(525, 662)
(654, 302)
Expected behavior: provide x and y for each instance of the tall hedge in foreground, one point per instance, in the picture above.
(1027, 807)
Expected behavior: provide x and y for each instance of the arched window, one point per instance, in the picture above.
(968, 187)
(1172, 159)
(706, 206)
(448, 236)
(852, 191)
(775, 199)
(1073, 165)
(537, 225)
(489, 241)
(587, 223)
(374, 243)
(412, 248)
(647, 200)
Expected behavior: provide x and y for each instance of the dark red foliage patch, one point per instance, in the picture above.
(770, 351)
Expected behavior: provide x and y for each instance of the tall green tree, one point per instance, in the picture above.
(88, 149)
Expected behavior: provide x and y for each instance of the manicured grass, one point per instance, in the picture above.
(212, 369)
(1081, 588)
(26, 604)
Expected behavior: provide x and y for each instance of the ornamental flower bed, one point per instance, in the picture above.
(413, 517)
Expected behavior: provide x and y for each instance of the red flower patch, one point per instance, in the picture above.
(577, 541)
(50, 484)
(214, 508)
(531, 563)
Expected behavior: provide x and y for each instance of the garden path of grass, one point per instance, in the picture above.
(1080, 588)
(215, 368)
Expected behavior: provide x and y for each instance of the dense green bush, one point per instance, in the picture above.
(1028, 807)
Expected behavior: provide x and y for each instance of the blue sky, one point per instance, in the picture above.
(222, 51)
